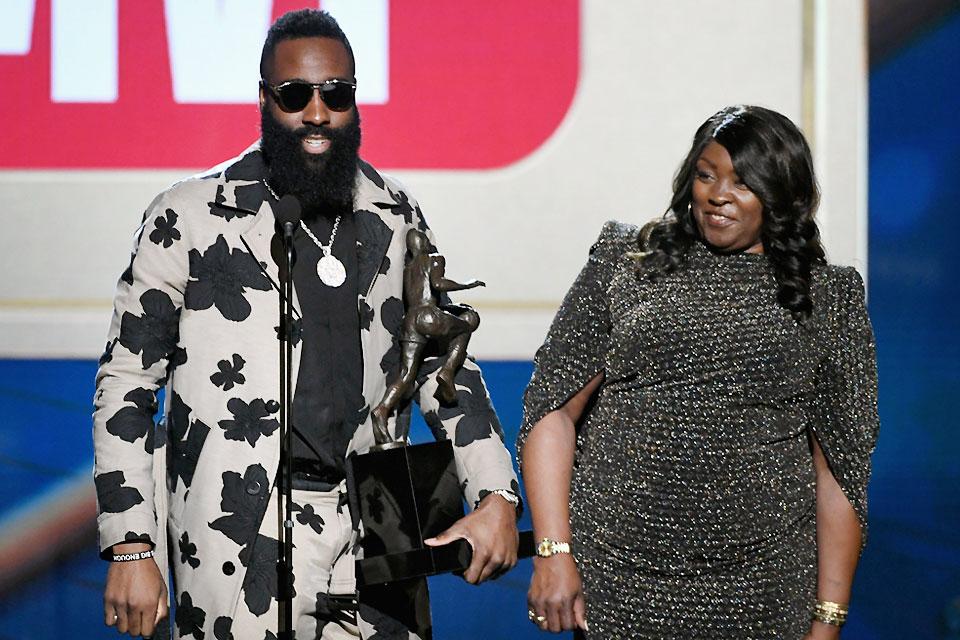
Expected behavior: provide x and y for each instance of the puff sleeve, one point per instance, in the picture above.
(844, 406)
(576, 345)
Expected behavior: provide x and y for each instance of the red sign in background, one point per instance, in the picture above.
(473, 85)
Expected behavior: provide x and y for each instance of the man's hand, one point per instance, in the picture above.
(556, 594)
(135, 598)
(491, 531)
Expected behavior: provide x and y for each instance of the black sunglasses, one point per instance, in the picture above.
(294, 95)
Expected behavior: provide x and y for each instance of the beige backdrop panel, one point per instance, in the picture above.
(651, 72)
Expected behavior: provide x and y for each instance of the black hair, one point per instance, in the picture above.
(305, 23)
(772, 158)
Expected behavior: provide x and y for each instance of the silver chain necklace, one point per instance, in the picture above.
(331, 271)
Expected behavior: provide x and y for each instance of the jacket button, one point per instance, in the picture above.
(253, 487)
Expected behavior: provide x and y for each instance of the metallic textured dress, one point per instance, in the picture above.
(693, 496)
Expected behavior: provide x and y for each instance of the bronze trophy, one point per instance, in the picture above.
(402, 493)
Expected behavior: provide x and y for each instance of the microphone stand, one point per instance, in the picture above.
(285, 566)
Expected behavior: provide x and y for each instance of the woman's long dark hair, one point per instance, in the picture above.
(772, 158)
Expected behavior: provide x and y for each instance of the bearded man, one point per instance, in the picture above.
(196, 312)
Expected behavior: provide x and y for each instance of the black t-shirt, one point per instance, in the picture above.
(329, 391)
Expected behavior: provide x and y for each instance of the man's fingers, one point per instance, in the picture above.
(109, 615)
(477, 566)
(488, 569)
(162, 609)
(495, 566)
(147, 624)
(134, 621)
(486, 564)
(122, 625)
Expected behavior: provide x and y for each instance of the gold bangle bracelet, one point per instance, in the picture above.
(832, 613)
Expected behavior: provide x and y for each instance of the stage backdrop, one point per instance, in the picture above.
(520, 126)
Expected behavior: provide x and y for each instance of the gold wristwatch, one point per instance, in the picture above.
(547, 547)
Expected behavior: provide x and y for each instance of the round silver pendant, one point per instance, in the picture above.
(331, 271)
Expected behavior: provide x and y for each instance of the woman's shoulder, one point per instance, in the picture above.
(837, 279)
(617, 242)
(836, 289)
(618, 237)
(617, 231)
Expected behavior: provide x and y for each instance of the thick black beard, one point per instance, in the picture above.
(325, 184)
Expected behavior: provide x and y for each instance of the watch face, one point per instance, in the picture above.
(545, 548)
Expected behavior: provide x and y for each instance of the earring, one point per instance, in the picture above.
(690, 208)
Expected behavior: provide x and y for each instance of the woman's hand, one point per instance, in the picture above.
(556, 593)
(821, 631)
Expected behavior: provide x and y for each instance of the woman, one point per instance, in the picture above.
(701, 416)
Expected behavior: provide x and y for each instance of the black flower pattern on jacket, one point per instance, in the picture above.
(260, 583)
(436, 425)
(306, 515)
(220, 276)
(296, 331)
(250, 196)
(188, 551)
(479, 420)
(229, 373)
(165, 231)
(186, 441)
(220, 209)
(371, 174)
(177, 358)
(391, 315)
(156, 437)
(250, 421)
(107, 353)
(189, 618)
(366, 315)
(244, 499)
(402, 206)
(132, 423)
(153, 334)
(112, 496)
(222, 628)
(127, 275)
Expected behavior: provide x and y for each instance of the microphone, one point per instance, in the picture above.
(288, 212)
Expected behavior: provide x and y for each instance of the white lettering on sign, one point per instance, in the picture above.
(367, 25)
(83, 61)
(16, 27)
(214, 46)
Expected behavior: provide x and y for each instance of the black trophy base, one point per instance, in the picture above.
(403, 496)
